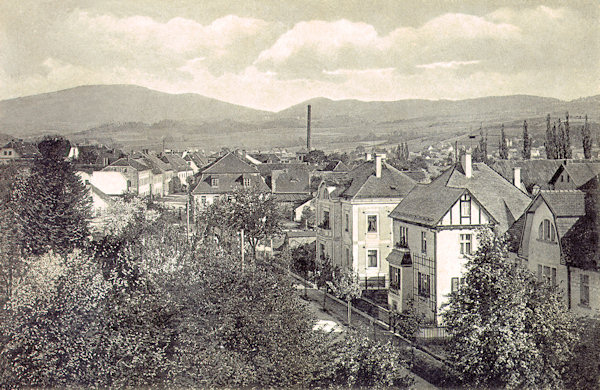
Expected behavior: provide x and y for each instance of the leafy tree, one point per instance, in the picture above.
(308, 217)
(407, 323)
(480, 152)
(303, 259)
(316, 156)
(586, 136)
(526, 143)
(508, 330)
(584, 371)
(362, 363)
(558, 139)
(346, 286)
(53, 324)
(503, 145)
(568, 152)
(550, 143)
(51, 204)
(247, 209)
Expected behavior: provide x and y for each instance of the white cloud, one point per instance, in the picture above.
(447, 65)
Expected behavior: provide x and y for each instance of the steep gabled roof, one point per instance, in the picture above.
(178, 163)
(426, 205)
(363, 182)
(336, 166)
(429, 203)
(229, 163)
(533, 172)
(128, 162)
(565, 203)
(580, 172)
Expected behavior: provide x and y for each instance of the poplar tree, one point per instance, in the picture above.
(503, 145)
(550, 143)
(586, 136)
(568, 153)
(526, 142)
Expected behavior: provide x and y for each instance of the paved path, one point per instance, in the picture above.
(335, 318)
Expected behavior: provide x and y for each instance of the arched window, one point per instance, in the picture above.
(546, 231)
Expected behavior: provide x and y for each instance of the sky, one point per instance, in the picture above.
(270, 54)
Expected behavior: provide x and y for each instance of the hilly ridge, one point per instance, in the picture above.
(136, 115)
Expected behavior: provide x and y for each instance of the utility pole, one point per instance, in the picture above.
(242, 247)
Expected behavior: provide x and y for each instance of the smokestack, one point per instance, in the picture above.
(466, 164)
(378, 165)
(517, 177)
(308, 129)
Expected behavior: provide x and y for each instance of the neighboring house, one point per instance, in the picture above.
(289, 183)
(139, 175)
(296, 238)
(109, 183)
(535, 175)
(196, 161)
(18, 149)
(224, 176)
(571, 175)
(560, 242)
(100, 200)
(180, 167)
(264, 158)
(435, 229)
(162, 173)
(354, 230)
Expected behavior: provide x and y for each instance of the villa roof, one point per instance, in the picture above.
(429, 203)
(229, 163)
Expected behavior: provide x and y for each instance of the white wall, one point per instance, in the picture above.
(109, 182)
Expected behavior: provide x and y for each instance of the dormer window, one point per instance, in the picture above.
(546, 231)
(246, 182)
(214, 182)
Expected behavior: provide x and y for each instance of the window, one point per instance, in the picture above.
(203, 199)
(466, 243)
(465, 209)
(371, 223)
(424, 285)
(403, 239)
(322, 247)
(348, 256)
(372, 258)
(325, 223)
(246, 182)
(346, 222)
(584, 290)
(214, 182)
(454, 284)
(395, 278)
(546, 231)
(424, 242)
(546, 274)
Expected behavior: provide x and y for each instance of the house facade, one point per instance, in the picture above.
(354, 230)
(559, 243)
(435, 230)
(224, 176)
(139, 175)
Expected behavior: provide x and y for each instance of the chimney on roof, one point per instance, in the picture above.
(517, 177)
(308, 129)
(466, 164)
(378, 158)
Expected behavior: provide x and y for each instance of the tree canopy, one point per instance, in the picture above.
(508, 330)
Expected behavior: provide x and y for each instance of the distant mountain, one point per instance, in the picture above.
(133, 115)
(86, 107)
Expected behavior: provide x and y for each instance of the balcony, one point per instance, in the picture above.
(401, 245)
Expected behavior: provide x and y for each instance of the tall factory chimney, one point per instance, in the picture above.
(308, 130)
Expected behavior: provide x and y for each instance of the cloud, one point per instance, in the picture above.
(267, 64)
(447, 65)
